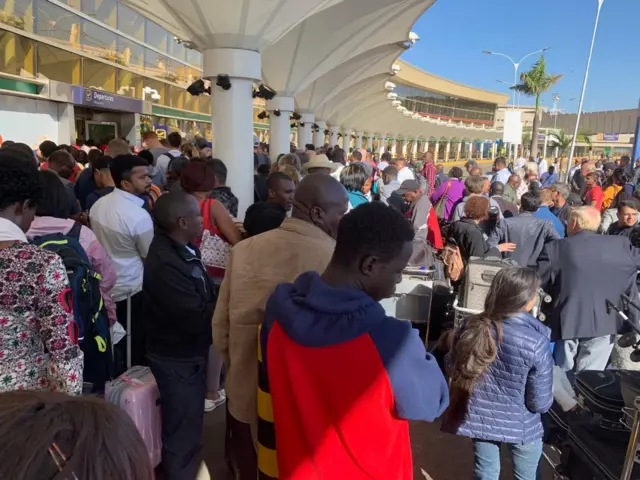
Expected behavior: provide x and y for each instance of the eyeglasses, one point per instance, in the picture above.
(61, 462)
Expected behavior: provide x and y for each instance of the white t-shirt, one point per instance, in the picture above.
(162, 163)
(542, 167)
(125, 230)
(405, 173)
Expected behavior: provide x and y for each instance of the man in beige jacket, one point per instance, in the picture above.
(256, 266)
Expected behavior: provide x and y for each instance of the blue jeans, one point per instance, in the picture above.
(525, 460)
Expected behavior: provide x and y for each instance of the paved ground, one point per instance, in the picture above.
(436, 455)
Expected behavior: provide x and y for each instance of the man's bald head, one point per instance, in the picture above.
(497, 188)
(514, 180)
(475, 171)
(322, 201)
(177, 213)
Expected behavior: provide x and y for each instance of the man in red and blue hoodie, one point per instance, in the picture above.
(338, 378)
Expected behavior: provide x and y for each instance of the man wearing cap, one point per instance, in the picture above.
(204, 148)
(319, 164)
(419, 206)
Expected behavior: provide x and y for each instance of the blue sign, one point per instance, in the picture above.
(636, 140)
(100, 99)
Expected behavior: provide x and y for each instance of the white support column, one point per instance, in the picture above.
(318, 137)
(459, 151)
(346, 139)
(481, 150)
(394, 146)
(382, 143)
(426, 146)
(333, 138)
(232, 116)
(470, 150)
(546, 144)
(494, 150)
(436, 151)
(447, 151)
(280, 110)
(414, 149)
(304, 129)
(359, 136)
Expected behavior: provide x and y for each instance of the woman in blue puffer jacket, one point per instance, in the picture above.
(501, 373)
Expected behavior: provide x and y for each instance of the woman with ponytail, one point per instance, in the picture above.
(500, 367)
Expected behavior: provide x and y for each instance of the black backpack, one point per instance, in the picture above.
(89, 311)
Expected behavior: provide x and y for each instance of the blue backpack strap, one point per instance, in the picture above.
(75, 231)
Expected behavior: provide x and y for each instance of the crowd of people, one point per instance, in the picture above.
(278, 316)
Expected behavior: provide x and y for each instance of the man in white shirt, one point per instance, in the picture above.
(125, 230)
(521, 162)
(404, 172)
(162, 161)
(502, 173)
(543, 166)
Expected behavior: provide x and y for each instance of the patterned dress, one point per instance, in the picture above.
(38, 337)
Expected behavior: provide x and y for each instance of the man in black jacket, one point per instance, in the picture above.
(178, 299)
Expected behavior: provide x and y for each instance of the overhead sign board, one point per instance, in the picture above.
(97, 98)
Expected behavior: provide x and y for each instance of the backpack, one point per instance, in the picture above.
(89, 311)
(452, 259)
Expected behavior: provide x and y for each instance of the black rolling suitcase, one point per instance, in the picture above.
(588, 456)
(600, 392)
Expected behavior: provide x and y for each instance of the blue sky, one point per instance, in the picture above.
(454, 33)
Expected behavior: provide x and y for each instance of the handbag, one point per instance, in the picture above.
(441, 204)
(213, 248)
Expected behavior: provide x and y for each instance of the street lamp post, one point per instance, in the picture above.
(516, 66)
(584, 86)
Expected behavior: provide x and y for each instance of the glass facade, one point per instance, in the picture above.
(92, 50)
(437, 105)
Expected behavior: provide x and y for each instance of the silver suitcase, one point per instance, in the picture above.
(478, 276)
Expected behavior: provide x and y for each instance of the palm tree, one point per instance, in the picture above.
(561, 140)
(535, 82)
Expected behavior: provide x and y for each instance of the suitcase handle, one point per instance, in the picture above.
(487, 276)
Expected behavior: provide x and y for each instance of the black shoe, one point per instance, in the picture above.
(582, 416)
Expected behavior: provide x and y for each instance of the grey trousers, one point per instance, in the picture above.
(583, 353)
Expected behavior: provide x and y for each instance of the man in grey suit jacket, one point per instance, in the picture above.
(528, 232)
(580, 273)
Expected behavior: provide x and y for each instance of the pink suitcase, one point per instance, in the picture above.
(136, 392)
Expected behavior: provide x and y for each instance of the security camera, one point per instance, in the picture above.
(390, 86)
(296, 116)
(155, 96)
(392, 95)
(413, 37)
(196, 88)
(396, 103)
(223, 81)
(395, 68)
(264, 91)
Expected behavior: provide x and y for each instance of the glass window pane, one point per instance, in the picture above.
(155, 35)
(156, 91)
(16, 54)
(130, 54)
(176, 49)
(102, 10)
(155, 64)
(194, 57)
(57, 23)
(130, 22)
(17, 13)
(98, 75)
(176, 97)
(58, 64)
(99, 42)
(129, 84)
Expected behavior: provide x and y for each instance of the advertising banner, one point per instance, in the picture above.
(608, 137)
(512, 127)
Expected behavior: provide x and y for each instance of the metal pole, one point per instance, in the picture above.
(584, 87)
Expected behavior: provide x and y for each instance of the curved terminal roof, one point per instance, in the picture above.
(334, 57)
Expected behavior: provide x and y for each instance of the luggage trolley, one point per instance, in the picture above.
(412, 299)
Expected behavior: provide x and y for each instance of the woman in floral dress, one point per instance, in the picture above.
(38, 337)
